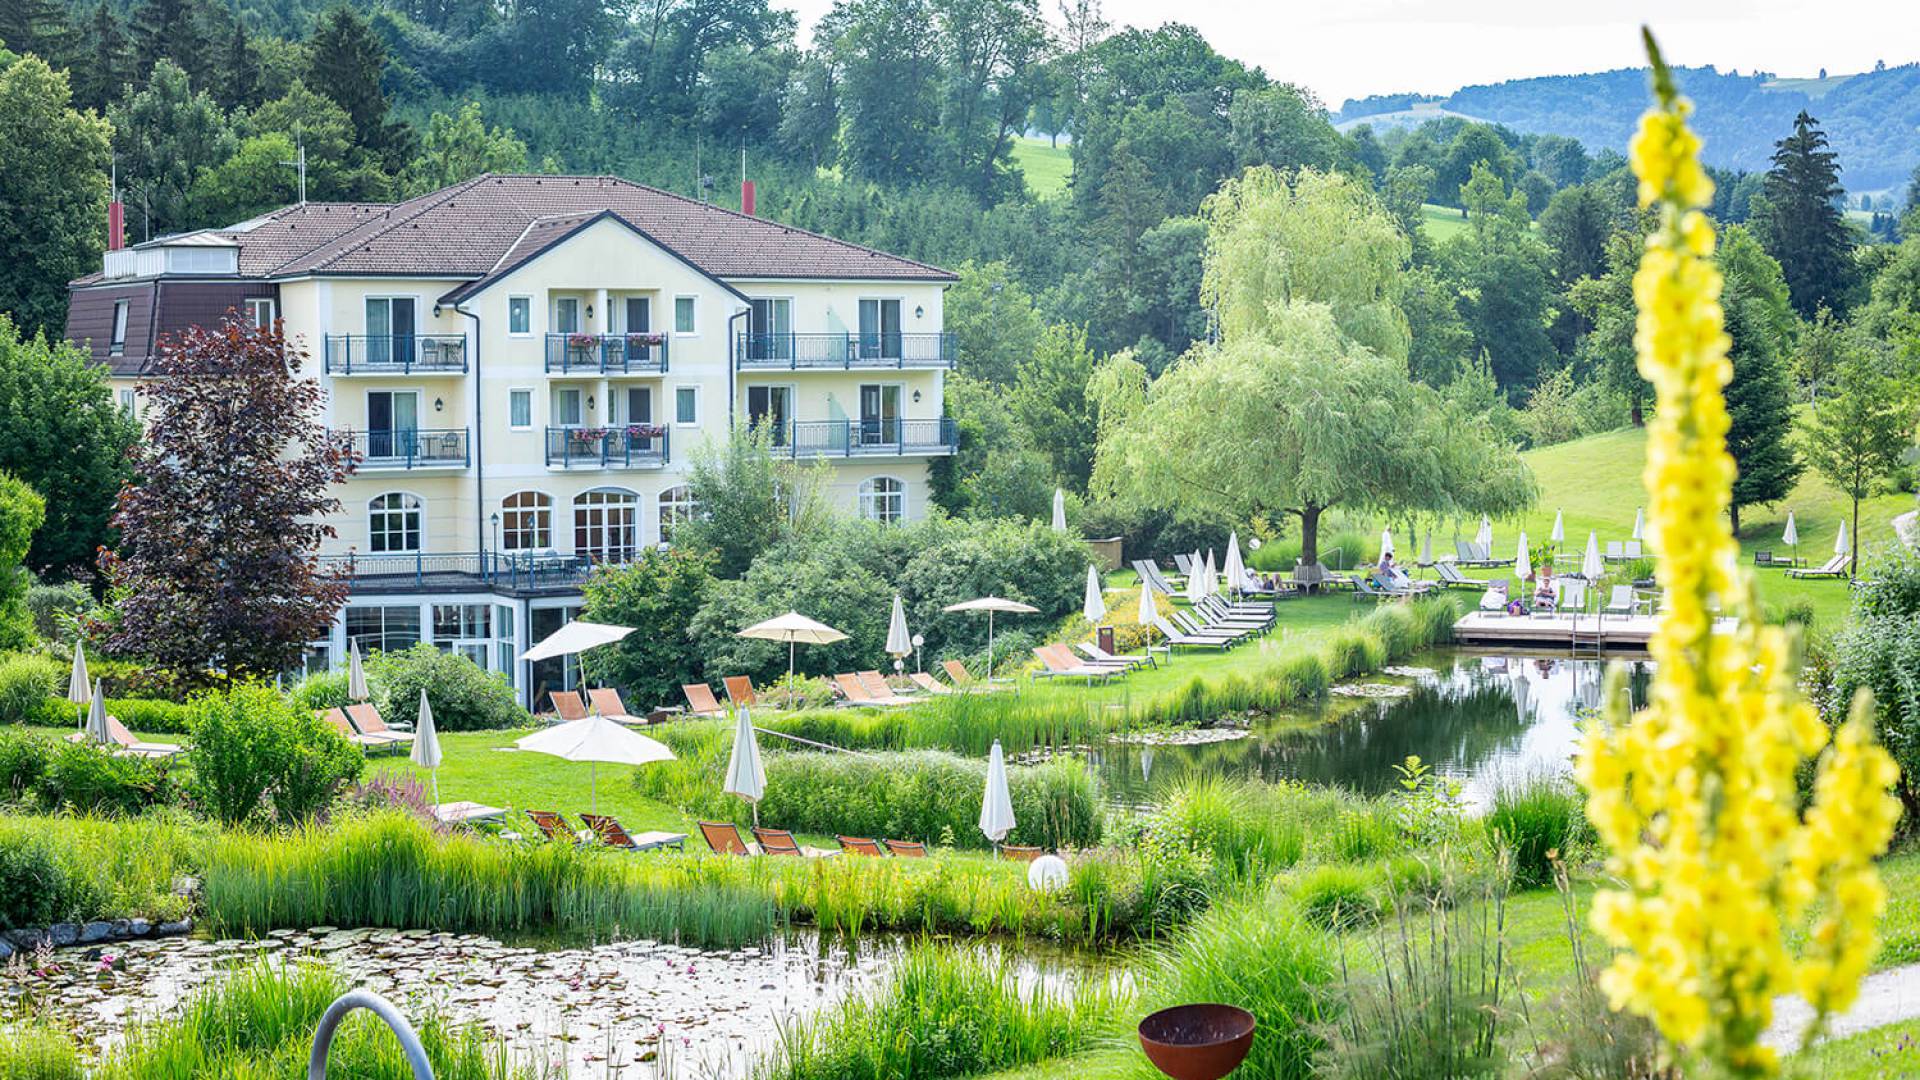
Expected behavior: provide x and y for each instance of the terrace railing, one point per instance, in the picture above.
(606, 354)
(500, 569)
(633, 446)
(843, 351)
(395, 354)
(412, 448)
(867, 438)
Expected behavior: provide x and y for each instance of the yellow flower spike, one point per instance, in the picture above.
(1695, 796)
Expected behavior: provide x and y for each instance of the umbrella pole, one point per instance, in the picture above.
(989, 645)
(790, 676)
(593, 786)
(436, 785)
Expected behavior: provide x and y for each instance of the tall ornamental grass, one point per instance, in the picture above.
(79, 869)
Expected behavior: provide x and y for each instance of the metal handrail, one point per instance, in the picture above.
(845, 351)
(638, 353)
(378, 1006)
(411, 448)
(616, 446)
(899, 437)
(401, 354)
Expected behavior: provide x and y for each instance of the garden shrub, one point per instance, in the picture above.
(1337, 896)
(1353, 650)
(323, 690)
(30, 880)
(92, 779)
(1532, 818)
(1893, 585)
(658, 593)
(250, 744)
(464, 695)
(23, 761)
(55, 607)
(26, 682)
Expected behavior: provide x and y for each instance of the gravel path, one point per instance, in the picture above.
(1886, 997)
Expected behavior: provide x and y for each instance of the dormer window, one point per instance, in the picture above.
(117, 345)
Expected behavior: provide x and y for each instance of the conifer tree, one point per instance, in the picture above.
(239, 71)
(1759, 410)
(173, 30)
(347, 64)
(102, 77)
(39, 27)
(1802, 225)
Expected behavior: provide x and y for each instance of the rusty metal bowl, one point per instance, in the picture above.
(1197, 1042)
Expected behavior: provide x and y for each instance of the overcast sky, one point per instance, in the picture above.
(1351, 48)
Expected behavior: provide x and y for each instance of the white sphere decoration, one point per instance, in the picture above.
(1047, 873)
(1254, 543)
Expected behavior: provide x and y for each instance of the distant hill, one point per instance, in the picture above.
(1872, 118)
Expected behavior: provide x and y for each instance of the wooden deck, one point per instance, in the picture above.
(1571, 632)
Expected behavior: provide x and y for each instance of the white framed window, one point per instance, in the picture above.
(606, 524)
(686, 406)
(519, 316)
(117, 344)
(686, 315)
(526, 521)
(567, 410)
(566, 315)
(676, 506)
(520, 408)
(258, 311)
(126, 401)
(883, 499)
(386, 629)
(394, 522)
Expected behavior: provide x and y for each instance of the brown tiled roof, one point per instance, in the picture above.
(468, 229)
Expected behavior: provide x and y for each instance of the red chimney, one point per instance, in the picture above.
(116, 225)
(746, 197)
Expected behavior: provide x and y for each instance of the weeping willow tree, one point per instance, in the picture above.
(1304, 404)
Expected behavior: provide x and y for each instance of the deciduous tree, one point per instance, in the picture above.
(1858, 434)
(658, 594)
(21, 512)
(54, 211)
(218, 564)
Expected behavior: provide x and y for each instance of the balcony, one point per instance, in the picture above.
(396, 354)
(606, 354)
(501, 571)
(412, 448)
(636, 446)
(843, 352)
(865, 438)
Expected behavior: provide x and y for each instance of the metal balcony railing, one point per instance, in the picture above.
(395, 354)
(606, 354)
(865, 438)
(412, 448)
(401, 570)
(634, 446)
(843, 352)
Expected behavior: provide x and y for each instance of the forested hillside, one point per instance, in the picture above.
(1873, 118)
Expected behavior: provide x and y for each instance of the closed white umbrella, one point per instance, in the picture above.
(794, 629)
(97, 718)
(1426, 549)
(426, 743)
(1791, 537)
(1559, 534)
(990, 605)
(1639, 522)
(1840, 540)
(1212, 583)
(1484, 537)
(1094, 604)
(1386, 542)
(1059, 510)
(1523, 559)
(1234, 568)
(595, 739)
(1591, 567)
(746, 777)
(899, 642)
(79, 686)
(996, 810)
(1147, 613)
(1196, 581)
(356, 673)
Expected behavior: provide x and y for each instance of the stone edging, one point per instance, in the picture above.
(88, 933)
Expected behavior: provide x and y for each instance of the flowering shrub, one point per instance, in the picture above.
(1694, 797)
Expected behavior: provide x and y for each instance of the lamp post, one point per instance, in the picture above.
(918, 641)
(496, 542)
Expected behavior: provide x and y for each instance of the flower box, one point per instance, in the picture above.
(582, 341)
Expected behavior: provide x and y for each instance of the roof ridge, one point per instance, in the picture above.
(348, 241)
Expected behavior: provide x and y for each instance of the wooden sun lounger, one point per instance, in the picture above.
(124, 742)
(740, 691)
(553, 826)
(877, 686)
(568, 704)
(366, 720)
(606, 701)
(724, 838)
(1052, 666)
(856, 692)
(907, 849)
(928, 683)
(610, 832)
(781, 842)
(1834, 567)
(341, 722)
(860, 845)
(963, 679)
(700, 700)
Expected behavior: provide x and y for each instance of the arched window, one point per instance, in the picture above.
(606, 524)
(676, 506)
(393, 522)
(883, 499)
(526, 521)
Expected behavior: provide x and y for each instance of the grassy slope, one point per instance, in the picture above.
(1441, 223)
(1045, 166)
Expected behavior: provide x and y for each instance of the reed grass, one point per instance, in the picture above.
(32, 1049)
(106, 868)
(1536, 818)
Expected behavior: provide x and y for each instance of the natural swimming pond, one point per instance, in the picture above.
(1474, 718)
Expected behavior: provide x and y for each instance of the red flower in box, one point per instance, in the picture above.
(582, 341)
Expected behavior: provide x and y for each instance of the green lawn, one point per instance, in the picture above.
(1887, 1053)
(1045, 166)
(1442, 223)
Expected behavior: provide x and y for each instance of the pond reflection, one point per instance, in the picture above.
(1474, 718)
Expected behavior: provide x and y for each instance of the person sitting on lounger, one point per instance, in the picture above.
(1544, 597)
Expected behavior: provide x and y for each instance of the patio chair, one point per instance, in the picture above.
(876, 684)
(1615, 551)
(781, 842)
(366, 719)
(1095, 652)
(568, 704)
(907, 849)
(1572, 594)
(1018, 853)
(553, 826)
(613, 835)
(1621, 602)
(928, 683)
(126, 745)
(860, 845)
(1834, 567)
(1055, 665)
(1630, 550)
(1192, 641)
(856, 692)
(606, 701)
(724, 838)
(700, 700)
(740, 691)
(1495, 598)
(963, 679)
(337, 720)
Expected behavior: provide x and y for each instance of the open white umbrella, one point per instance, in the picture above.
(1386, 542)
(79, 686)
(990, 605)
(1523, 559)
(1840, 540)
(356, 673)
(899, 642)
(746, 777)
(576, 637)
(595, 739)
(1094, 605)
(1591, 567)
(794, 629)
(1559, 534)
(996, 810)
(1791, 538)
(1059, 510)
(97, 718)
(1234, 567)
(1639, 522)
(426, 743)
